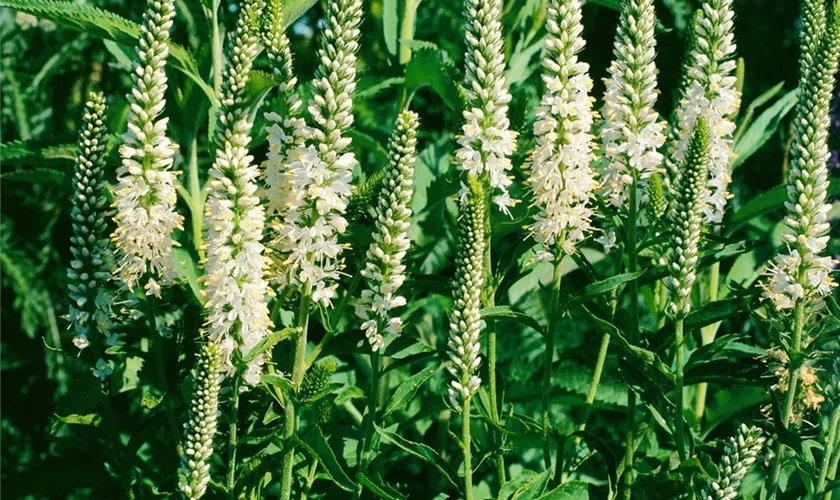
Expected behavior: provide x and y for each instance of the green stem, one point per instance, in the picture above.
(793, 382)
(468, 489)
(160, 367)
(407, 30)
(632, 255)
(373, 397)
(310, 479)
(298, 370)
(553, 323)
(830, 451)
(596, 378)
(832, 468)
(196, 202)
(707, 336)
(678, 418)
(217, 50)
(234, 417)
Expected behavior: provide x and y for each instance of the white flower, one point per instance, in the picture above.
(486, 142)
(561, 179)
(103, 369)
(310, 173)
(631, 133)
(710, 93)
(608, 240)
(236, 289)
(145, 195)
(384, 269)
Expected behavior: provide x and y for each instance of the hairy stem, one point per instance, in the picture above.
(835, 458)
(468, 493)
(373, 398)
(830, 448)
(632, 255)
(678, 418)
(234, 417)
(553, 324)
(793, 382)
(298, 370)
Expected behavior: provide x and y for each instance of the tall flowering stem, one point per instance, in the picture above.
(235, 285)
(710, 93)
(90, 269)
(560, 177)
(799, 280)
(384, 270)
(145, 195)
(487, 142)
(465, 322)
(685, 251)
(200, 430)
(310, 191)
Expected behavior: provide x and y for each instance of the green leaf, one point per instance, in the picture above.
(715, 311)
(389, 25)
(281, 383)
(770, 200)
(508, 312)
(571, 490)
(293, 9)
(610, 284)
(379, 488)
(185, 267)
(347, 393)
(726, 360)
(268, 343)
(91, 419)
(36, 176)
(103, 24)
(406, 391)
(763, 128)
(528, 485)
(258, 86)
(423, 452)
(428, 68)
(315, 443)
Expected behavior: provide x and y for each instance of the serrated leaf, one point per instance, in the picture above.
(423, 452)
(347, 393)
(281, 383)
(715, 311)
(428, 68)
(379, 488)
(773, 199)
(408, 388)
(35, 176)
(91, 419)
(508, 312)
(528, 485)
(101, 23)
(610, 284)
(315, 443)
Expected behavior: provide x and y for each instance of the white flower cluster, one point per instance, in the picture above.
(145, 195)
(201, 428)
(384, 269)
(465, 321)
(561, 179)
(90, 269)
(311, 197)
(487, 142)
(632, 132)
(802, 273)
(740, 454)
(236, 288)
(710, 93)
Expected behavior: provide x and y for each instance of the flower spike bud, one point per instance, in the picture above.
(200, 430)
(688, 220)
(286, 128)
(465, 321)
(487, 141)
(90, 269)
(803, 273)
(235, 283)
(710, 94)
(740, 453)
(632, 132)
(319, 168)
(384, 269)
(562, 181)
(145, 195)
